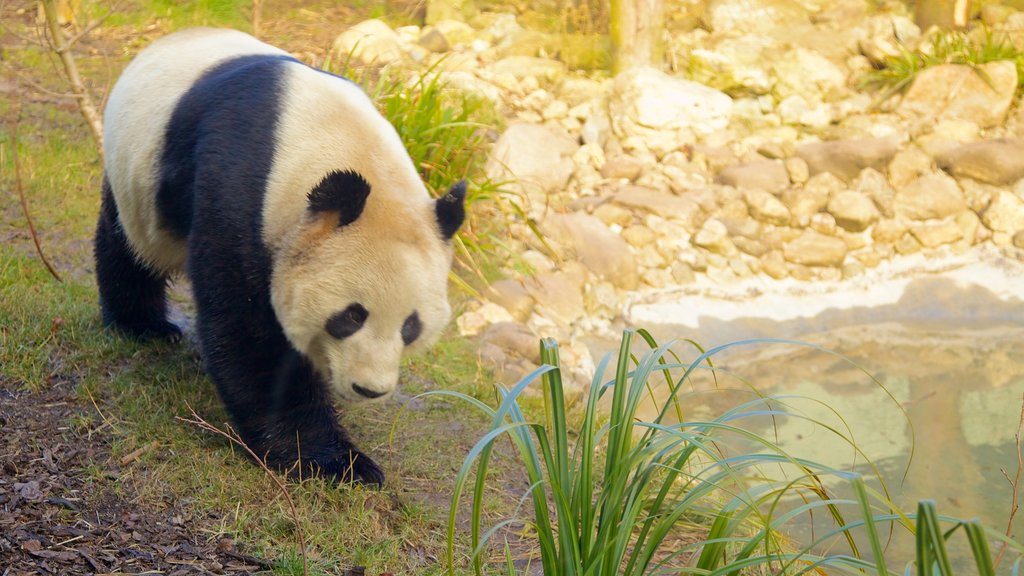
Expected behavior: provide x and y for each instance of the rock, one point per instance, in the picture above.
(766, 207)
(750, 246)
(934, 195)
(536, 159)
(795, 109)
(846, 158)
(744, 17)
(823, 223)
(978, 194)
(733, 63)
(514, 339)
(432, 39)
(808, 74)
(769, 175)
(622, 166)
(370, 41)
(472, 323)
(774, 265)
(682, 273)
(714, 236)
(908, 244)
(797, 169)
(639, 235)
(812, 198)
(873, 184)
(969, 224)
(936, 232)
(559, 295)
(907, 165)
(663, 111)
(1005, 213)
(602, 251)
(998, 162)
(613, 215)
(853, 211)
(528, 66)
(979, 94)
(456, 32)
(814, 249)
(1018, 239)
(662, 204)
(512, 296)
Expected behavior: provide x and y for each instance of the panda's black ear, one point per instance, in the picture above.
(341, 192)
(451, 211)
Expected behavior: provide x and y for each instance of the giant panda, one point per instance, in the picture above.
(317, 258)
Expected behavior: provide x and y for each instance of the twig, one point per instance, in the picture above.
(234, 438)
(134, 454)
(21, 195)
(1014, 484)
(61, 47)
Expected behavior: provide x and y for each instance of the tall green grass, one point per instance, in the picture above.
(617, 495)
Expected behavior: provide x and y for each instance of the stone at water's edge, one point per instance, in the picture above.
(853, 211)
(535, 160)
(982, 96)
(602, 251)
(846, 158)
(814, 249)
(755, 16)
(999, 162)
(1005, 213)
(934, 195)
(769, 175)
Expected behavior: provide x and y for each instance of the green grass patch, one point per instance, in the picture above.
(973, 49)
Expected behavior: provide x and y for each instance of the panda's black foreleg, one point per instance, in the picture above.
(132, 297)
(277, 402)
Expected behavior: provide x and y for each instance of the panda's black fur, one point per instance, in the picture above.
(218, 149)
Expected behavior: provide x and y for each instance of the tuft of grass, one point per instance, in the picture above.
(612, 495)
(951, 47)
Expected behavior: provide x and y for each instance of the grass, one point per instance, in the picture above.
(610, 495)
(897, 72)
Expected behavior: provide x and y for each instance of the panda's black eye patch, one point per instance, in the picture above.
(411, 328)
(347, 322)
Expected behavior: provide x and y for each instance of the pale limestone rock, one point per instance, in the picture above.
(907, 165)
(846, 158)
(888, 230)
(812, 197)
(766, 207)
(769, 175)
(514, 339)
(935, 233)
(807, 73)
(613, 215)
(814, 249)
(753, 247)
(714, 236)
(999, 162)
(622, 166)
(512, 296)
(537, 261)
(978, 194)
(981, 95)
(370, 41)
(455, 32)
(662, 204)
(472, 323)
(521, 67)
(823, 223)
(602, 251)
(744, 17)
(682, 273)
(665, 111)
(774, 265)
(639, 235)
(797, 169)
(1005, 213)
(873, 184)
(934, 195)
(536, 159)
(908, 244)
(559, 295)
(853, 211)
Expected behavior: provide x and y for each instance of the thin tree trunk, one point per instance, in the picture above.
(61, 47)
(946, 14)
(636, 30)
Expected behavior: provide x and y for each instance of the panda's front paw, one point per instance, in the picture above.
(353, 467)
(154, 330)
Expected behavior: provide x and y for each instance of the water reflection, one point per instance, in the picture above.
(951, 354)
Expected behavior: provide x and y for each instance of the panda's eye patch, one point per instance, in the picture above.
(347, 322)
(411, 328)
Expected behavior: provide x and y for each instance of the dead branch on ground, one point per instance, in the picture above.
(21, 194)
(234, 438)
(1014, 483)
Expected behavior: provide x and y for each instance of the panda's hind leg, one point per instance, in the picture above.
(132, 297)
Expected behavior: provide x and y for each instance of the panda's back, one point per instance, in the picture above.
(151, 126)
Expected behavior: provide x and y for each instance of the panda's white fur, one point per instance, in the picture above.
(393, 259)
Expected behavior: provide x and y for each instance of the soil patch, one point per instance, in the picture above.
(63, 511)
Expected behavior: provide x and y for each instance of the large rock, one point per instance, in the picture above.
(742, 17)
(602, 251)
(937, 232)
(853, 211)
(807, 73)
(665, 112)
(662, 204)
(370, 41)
(714, 236)
(1005, 213)
(559, 295)
(846, 158)
(769, 175)
(535, 159)
(528, 66)
(997, 162)
(766, 207)
(814, 249)
(812, 197)
(981, 94)
(934, 195)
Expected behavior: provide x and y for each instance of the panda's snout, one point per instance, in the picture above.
(367, 392)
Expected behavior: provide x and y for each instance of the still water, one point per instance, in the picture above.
(946, 343)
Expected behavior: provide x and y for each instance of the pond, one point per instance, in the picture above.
(945, 338)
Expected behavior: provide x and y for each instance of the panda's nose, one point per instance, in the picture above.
(367, 392)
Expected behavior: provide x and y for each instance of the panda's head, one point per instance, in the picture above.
(359, 283)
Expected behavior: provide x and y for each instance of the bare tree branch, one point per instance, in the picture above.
(1014, 483)
(21, 195)
(61, 47)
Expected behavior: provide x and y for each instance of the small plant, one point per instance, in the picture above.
(896, 73)
(607, 503)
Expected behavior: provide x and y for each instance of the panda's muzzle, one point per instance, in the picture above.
(367, 392)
